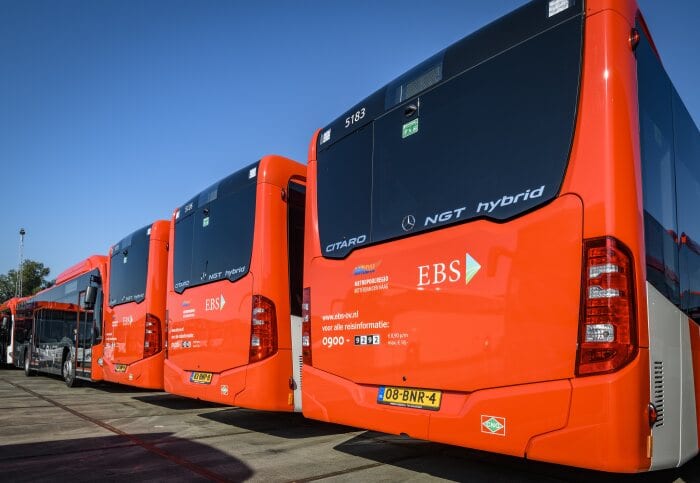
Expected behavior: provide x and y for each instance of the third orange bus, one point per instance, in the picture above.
(134, 331)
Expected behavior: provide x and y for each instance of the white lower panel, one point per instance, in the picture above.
(672, 386)
(296, 360)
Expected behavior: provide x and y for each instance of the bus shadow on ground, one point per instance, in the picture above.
(118, 458)
(463, 464)
(115, 388)
(177, 403)
(103, 386)
(283, 425)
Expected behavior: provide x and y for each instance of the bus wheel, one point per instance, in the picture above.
(67, 370)
(27, 367)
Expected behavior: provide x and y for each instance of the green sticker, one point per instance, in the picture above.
(409, 129)
(493, 425)
(205, 221)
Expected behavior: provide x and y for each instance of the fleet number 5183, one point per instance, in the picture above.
(353, 118)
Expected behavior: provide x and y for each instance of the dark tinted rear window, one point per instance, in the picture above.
(129, 268)
(489, 141)
(214, 232)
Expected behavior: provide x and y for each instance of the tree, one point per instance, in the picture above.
(33, 279)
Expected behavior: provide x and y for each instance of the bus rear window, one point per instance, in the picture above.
(214, 232)
(128, 268)
(491, 141)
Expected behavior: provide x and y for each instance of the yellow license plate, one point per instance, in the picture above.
(201, 377)
(410, 398)
(120, 368)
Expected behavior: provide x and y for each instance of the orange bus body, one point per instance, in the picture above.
(210, 325)
(134, 323)
(485, 316)
(62, 343)
(9, 330)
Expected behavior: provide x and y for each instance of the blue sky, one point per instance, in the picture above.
(112, 113)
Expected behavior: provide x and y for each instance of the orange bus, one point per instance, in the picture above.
(498, 248)
(134, 333)
(10, 333)
(65, 323)
(234, 294)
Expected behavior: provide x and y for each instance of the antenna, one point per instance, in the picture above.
(21, 261)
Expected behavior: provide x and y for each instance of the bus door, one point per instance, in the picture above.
(84, 337)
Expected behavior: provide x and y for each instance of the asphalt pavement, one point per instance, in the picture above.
(105, 432)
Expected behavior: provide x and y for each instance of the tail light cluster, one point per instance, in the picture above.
(263, 329)
(306, 327)
(607, 337)
(152, 337)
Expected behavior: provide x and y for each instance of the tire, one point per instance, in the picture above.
(27, 367)
(67, 370)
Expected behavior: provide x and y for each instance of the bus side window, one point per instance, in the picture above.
(97, 319)
(296, 200)
(658, 173)
(687, 156)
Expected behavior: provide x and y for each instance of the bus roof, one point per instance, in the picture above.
(90, 263)
(11, 303)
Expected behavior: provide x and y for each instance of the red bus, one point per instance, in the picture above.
(10, 333)
(134, 332)
(65, 324)
(234, 294)
(498, 248)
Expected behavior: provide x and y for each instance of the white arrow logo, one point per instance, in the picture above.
(223, 302)
(472, 267)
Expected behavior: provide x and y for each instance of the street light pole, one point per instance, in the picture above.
(21, 261)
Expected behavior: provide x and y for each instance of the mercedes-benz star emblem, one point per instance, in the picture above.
(409, 221)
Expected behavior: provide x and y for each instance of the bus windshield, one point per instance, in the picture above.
(480, 138)
(214, 232)
(128, 268)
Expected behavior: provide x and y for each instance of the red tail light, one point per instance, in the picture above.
(306, 327)
(263, 329)
(607, 338)
(152, 336)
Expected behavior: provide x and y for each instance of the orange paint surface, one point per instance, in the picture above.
(125, 324)
(223, 335)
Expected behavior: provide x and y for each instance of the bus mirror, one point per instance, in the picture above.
(90, 296)
(5, 322)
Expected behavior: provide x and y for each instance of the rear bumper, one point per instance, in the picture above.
(145, 373)
(595, 422)
(608, 427)
(263, 385)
